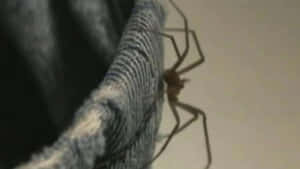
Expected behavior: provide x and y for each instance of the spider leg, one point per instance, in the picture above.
(171, 38)
(196, 112)
(190, 121)
(184, 125)
(175, 128)
(186, 31)
(180, 57)
(181, 128)
(200, 53)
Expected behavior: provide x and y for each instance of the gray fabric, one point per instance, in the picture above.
(122, 110)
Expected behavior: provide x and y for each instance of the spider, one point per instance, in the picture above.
(174, 85)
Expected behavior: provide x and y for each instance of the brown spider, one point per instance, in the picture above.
(175, 84)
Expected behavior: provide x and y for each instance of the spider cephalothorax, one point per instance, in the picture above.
(174, 84)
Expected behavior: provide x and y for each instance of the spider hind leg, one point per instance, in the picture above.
(196, 112)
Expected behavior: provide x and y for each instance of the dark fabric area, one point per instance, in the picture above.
(23, 113)
(30, 94)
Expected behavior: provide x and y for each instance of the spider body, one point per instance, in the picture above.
(174, 84)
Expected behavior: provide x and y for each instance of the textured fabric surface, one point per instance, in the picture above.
(122, 110)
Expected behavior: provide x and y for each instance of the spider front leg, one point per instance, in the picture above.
(172, 39)
(199, 51)
(187, 40)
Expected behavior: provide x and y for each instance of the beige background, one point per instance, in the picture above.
(248, 86)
